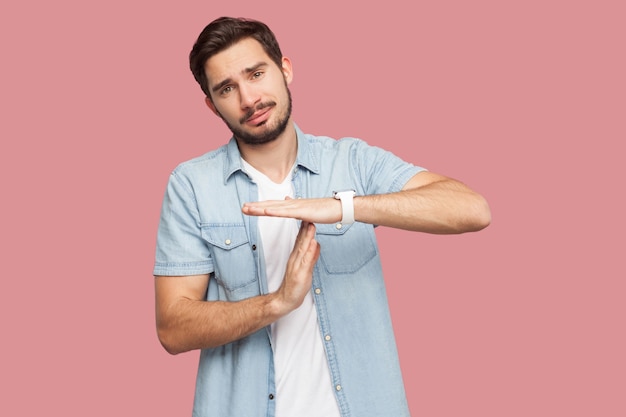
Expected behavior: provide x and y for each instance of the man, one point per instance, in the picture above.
(266, 253)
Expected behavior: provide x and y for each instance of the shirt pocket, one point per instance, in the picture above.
(346, 249)
(234, 266)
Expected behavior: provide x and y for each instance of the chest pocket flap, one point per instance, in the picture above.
(232, 257)
(225, 236)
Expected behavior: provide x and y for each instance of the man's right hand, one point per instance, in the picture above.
(299, 272)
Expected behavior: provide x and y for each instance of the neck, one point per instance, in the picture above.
(274, 159)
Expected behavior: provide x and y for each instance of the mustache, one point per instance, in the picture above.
(251, 111)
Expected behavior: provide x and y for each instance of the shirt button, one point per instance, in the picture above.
(327, 337)
(271, 396)
(338, 387)
(318, 291)
(253, 247)
(227, 241)
(339, 226)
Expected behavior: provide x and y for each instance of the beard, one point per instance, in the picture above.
(268, 135)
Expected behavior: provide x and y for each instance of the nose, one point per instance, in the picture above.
(249, 96)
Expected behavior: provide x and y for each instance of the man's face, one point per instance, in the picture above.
(249, 92)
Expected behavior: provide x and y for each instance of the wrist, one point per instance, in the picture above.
(347, 205)
(277, 305)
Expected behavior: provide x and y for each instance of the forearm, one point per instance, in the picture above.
(441, 207)
(428, 203)
(186, 322)
(192, 324)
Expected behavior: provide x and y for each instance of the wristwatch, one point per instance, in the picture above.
(347, 205)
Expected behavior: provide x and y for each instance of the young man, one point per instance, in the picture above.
(266, 254)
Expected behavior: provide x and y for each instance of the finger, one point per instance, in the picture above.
(302, 245)
(287, 202)
(310, 228)
(314, 251)
(313, 247)
(306, 235)
(277, 208)
(302, 233)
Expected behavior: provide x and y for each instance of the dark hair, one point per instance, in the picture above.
(223, 33)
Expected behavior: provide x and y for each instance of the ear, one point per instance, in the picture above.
(210, 105)
(287, 69)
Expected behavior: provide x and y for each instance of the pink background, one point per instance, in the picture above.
(524, 101)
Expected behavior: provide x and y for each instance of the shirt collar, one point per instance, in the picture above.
(304, 158)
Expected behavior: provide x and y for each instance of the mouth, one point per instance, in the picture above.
(259, 115)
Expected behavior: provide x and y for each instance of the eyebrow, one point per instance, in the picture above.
(227, 81)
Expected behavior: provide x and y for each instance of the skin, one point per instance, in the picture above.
(249, 92)
(242, 78)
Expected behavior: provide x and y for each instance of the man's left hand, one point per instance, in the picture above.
(312, 210)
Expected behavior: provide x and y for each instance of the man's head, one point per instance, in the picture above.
(223, 33)
(242, 72)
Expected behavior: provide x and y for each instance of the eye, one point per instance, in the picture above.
(226, 90)
(257, 74)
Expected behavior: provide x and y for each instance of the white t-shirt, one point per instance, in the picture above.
(303, 384)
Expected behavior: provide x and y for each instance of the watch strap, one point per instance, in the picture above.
(347, 205)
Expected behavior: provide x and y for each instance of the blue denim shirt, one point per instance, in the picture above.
(203, 231)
